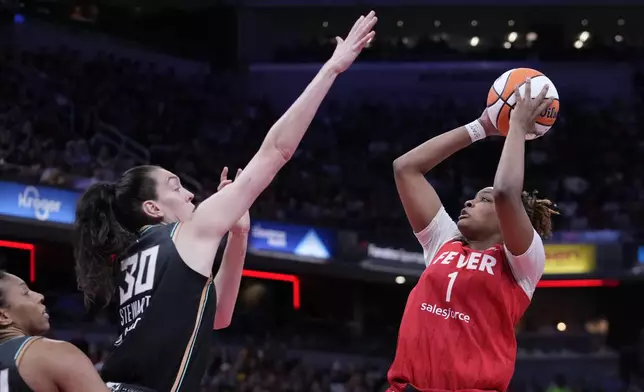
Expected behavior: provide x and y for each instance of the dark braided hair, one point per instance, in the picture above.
(540, 212)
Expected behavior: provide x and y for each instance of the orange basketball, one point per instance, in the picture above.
(501, 99)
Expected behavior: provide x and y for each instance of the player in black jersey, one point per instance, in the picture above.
(143, 238)
(29, 362)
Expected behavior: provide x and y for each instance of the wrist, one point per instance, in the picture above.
(329, 70)
(517, 127)
(476, 131)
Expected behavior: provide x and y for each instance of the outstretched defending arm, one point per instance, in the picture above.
(198, 239)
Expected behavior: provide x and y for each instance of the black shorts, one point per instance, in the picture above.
(118, 387)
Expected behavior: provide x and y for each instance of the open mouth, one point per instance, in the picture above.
(463, 215)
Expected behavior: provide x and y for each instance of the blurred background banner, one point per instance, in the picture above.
(39, 203)
(302, 243)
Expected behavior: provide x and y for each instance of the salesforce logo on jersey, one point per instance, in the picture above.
(301, 243)
(39, 203)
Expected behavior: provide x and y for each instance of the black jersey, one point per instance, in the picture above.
(11, 352)
(166, 312)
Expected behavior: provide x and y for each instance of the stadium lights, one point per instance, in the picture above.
(400, 23)
(32, 255)
(474, 23)
(325, 24)
(474, 41)
(561, 327)
(510, 22)
(437, 23)
(507, 45)
(531, 36)
(619, 38)
(578, 44)
(568, 283)
(621, 22)
(293, 279)
(512, 36)
(400, 279)
(583, 37)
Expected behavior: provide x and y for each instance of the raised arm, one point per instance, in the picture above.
(516, 228)
(198, 239)
(418, 197)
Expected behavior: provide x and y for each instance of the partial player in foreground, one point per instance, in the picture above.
(29, 362)
(457, 330)
(143, 237)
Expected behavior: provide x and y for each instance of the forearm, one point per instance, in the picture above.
(429, 154)
(228, 277)
(287, 132)
(509, 174)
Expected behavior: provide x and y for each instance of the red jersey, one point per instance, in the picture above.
(457, 331)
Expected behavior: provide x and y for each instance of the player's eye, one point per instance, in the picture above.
(485, 199)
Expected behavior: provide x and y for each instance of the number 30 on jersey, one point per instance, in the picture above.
(138, 272)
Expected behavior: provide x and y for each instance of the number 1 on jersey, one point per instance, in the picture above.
(450, 286)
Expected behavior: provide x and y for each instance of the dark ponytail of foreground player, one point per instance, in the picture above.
(108, 217)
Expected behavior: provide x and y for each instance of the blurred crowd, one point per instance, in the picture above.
(68, 121)
(269, 366)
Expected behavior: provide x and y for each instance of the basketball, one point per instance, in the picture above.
(501, 99)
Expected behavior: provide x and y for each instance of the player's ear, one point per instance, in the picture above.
(152, 208)
(5, 318)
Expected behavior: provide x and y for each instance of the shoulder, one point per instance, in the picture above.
(528, 267)
(62, 364)
(52, 356)
(440, 231)
(49, 350)
(163, 230)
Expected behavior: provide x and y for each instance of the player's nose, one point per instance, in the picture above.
(469, 204)
(39, 297)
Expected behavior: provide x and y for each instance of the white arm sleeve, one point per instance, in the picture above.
(528, 267)
(440, 230)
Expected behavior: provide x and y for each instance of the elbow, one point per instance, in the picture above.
(274, 156)
(221, 324)
(222, 319)
(281, 154)
(401, 165)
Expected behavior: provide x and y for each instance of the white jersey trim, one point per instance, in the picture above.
(527, 268)
(439, 231)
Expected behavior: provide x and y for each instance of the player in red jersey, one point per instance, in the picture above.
(457, 331)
